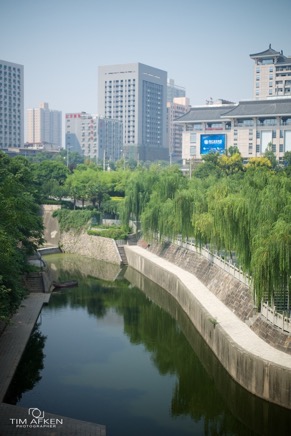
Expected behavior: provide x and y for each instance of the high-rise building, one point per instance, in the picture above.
(175, 109)
(174, 91)
(272, 74)
(44, 126)
(11, 105)
(136, 94)
(95, 137)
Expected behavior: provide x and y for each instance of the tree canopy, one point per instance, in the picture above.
(236, 208)
(20, 227)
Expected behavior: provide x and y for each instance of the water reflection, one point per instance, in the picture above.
(125, 355)
(28, 373)
(258, 416)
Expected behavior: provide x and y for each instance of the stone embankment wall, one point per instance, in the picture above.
(95, 247)
(233, 293)
(257, 367)
(79, 243)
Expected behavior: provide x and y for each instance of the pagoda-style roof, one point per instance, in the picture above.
(270, 53)
(205, 113)
(261, 108)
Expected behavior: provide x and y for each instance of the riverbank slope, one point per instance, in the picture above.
(254, 364)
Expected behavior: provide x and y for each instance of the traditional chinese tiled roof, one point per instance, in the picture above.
(270, 52)
(256, 108)
(205, 113)
(244, 109)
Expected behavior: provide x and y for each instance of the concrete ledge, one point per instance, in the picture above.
(255, 365)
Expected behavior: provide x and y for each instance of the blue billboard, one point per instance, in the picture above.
(212, 144)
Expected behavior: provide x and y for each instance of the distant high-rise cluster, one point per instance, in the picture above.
(144, 116)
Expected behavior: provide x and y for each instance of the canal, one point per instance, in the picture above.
(117, 350)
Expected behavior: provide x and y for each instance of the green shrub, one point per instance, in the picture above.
(113, 233)
(75, 219)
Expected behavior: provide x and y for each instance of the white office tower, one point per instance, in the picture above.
(94, 137)
(44, 127)
(11, 105)
(175, 109)
(136, 94)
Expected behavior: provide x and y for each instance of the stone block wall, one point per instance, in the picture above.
(95, 247)
(233, 293)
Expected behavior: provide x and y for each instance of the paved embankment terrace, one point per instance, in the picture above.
(12, 344)
(257, 366)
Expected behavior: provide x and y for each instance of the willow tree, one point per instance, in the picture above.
(183, 212)
(271, 260)
(137, 193)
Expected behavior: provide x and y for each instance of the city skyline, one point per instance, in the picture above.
(204, 47)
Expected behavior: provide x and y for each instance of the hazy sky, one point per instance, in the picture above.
(203, 45)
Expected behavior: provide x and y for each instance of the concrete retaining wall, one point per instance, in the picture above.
(259, 368)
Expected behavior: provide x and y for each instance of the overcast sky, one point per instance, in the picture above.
(203, 45)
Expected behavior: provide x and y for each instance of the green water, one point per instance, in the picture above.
(117, 350)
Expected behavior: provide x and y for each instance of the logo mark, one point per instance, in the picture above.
(36, 413)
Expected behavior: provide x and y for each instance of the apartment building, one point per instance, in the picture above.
(250, 125)
(175, 109)
(272, 74)
(93, 136)
(44, 127)
(11, 105)
(136, 94)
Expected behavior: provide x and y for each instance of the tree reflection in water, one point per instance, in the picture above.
(28, 372)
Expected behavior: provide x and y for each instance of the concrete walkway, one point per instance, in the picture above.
(12, 345)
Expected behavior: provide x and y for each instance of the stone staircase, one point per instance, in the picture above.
(132, 240)
(122, 254)
(34, 282)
